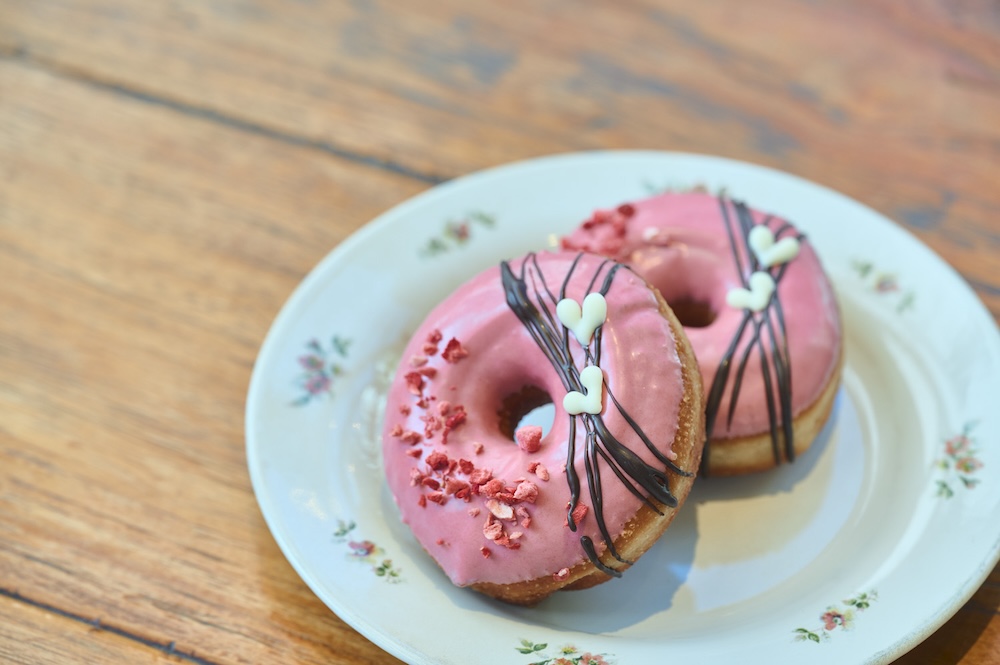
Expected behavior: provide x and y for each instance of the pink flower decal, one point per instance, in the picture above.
(456, 233)
(319, 368)
(366, 551)
(837, 617)
(959, 463)
(567, 655)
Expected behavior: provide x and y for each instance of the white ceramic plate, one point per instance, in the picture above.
(852, 555)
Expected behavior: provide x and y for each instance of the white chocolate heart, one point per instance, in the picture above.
(583, 322)
(576, 402)
(756, 298)
(768, 252)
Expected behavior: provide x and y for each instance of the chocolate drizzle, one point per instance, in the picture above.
(766, 326)
(533, 305)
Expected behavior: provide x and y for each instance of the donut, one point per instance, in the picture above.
(757, 307)
(507, 508)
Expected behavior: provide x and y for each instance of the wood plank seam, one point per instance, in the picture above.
(164, 647)
(22, 56)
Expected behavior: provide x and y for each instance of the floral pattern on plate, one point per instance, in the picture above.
(960, 461)
(366, 551)
(320, 367)
(837, 617)
(457, 232)
(885, 284)
(567, 655)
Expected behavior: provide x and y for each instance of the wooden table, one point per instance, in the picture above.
(169, 171)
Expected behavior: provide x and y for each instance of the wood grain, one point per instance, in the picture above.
(170, 171)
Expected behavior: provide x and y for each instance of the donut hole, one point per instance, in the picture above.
(689, 279)
(692, 313)
(528, 406)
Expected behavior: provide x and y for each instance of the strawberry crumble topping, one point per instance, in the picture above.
(529, 438)
(454, 351)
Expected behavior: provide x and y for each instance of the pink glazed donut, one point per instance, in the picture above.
(770, 363)
(502, 508)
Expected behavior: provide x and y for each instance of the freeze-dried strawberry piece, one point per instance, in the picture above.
(562, 575)
(492, 529)
(414, 382)
(493, 488)
(481, 476)
(578, 513)
(454, 351)
(529, 438)
(415, 477)
(500, 510)
(523, 516)
(418, 361)
(454, 486)
(526, 491)
(465, 466)
(437, 460)
(411, 437)
(437, 497)
(485, 551)
(539, 470)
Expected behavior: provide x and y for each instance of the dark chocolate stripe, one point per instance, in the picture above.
(780, 409)
(601, 444)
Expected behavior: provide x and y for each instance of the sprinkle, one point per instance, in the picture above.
(529, 438)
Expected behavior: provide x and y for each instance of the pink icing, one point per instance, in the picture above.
(517, 491)
(679, 243)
